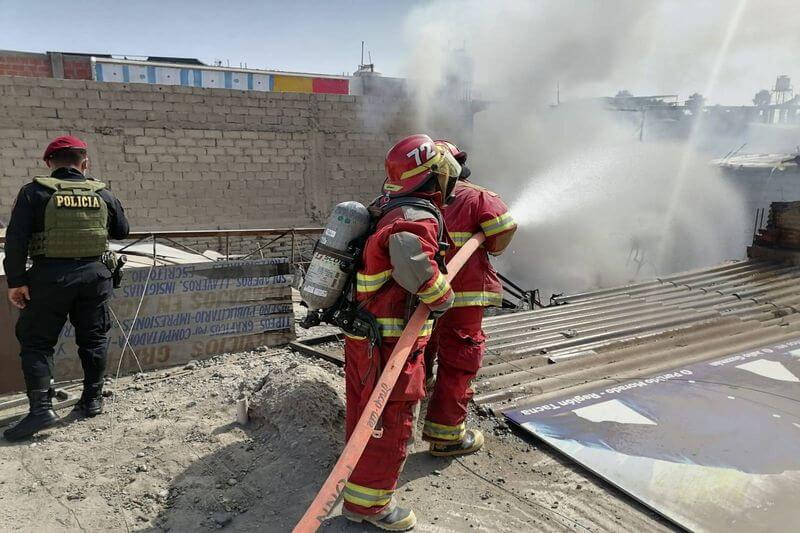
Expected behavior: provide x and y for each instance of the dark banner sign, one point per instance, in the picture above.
(713, 446)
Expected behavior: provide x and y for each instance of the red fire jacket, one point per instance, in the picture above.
(472, 209)
(398, 262)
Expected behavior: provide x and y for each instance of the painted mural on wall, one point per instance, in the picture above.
(110, 70)
(192, 311)
(714, 446)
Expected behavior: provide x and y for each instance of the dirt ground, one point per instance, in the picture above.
(168, 455)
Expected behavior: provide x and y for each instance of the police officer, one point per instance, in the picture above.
(63, 222)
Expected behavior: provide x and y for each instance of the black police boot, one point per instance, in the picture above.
(40, 416)
(91, 402)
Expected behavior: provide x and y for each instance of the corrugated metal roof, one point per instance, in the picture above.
(616, 334)
(754, 161)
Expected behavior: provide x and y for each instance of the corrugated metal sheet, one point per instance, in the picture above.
(759, 161)
(615, 334)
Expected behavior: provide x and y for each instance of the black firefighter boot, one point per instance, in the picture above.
(91, 402)
(40, 416)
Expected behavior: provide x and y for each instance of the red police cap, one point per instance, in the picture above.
(65, 141)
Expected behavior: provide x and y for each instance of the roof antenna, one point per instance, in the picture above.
(362, 66)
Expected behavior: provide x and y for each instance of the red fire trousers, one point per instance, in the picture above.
(371, 485)
(458, 341)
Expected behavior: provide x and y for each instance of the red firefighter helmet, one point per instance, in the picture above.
(458, 154)
(409, 164)
(413, 161)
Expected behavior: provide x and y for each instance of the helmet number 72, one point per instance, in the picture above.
(427, 148)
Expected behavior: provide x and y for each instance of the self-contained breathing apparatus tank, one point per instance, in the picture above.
(328, 287)
(333, 262)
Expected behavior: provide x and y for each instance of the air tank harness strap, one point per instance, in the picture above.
(375, 338)
(441, 256)
(377, 431)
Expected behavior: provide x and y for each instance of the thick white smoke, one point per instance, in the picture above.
(599, 219)
(598, 207)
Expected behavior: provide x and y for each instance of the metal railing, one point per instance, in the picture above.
(277, 233)
(224, 236)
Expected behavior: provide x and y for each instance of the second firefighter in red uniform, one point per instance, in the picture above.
(458, 340)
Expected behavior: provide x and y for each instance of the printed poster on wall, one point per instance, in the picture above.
(193, 311)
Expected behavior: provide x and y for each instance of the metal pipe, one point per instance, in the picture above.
(209, 233)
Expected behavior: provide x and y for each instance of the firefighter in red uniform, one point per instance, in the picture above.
(399, 266)
(458, 339)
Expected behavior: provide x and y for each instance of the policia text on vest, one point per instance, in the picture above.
(79, 202)
(63, 223)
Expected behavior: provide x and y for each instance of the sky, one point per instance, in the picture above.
(298, 35)
(665, 46)
(725, 49)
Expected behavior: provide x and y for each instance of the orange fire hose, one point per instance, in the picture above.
(329, 493)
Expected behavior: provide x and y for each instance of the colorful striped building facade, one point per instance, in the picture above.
(125, 71)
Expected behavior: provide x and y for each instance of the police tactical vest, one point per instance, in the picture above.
(75, 220)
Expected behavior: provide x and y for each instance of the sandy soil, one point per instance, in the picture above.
(168, 456)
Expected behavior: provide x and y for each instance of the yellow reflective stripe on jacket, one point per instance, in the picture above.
(444, 432)
(498, 225)
(427, 329)
(365, 496)
(372, 282)
(435, 291)
(393, 327)
(478, 299)
(459, 238)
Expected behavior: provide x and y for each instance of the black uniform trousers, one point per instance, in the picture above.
(59, 289)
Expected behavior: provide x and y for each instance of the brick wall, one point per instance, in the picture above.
(182, 157)
(24, 64)
(30, 64)
(77, 68)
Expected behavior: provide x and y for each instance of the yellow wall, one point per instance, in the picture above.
(292, 84)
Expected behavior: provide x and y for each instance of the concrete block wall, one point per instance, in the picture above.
(194, 158)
